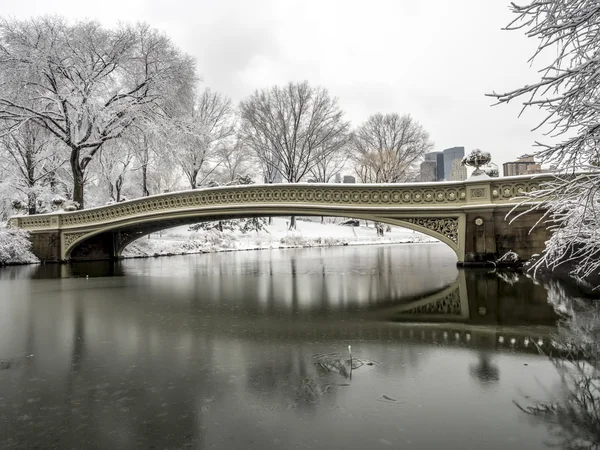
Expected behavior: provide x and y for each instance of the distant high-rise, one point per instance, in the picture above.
(450, 155)
(446, 165)
(438, 157)
(459, 171)
(428, 171)
(349, 179)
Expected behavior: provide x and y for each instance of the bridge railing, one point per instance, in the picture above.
(397, 197)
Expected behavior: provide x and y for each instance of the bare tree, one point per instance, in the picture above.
(388, 147)
(86, 84)
(235, 160)
(291, 128)
(209, 124)
(567, 32)
(329, 164)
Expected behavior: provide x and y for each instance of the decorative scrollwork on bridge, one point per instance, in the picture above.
(69, 238)
(449, 304)
(447, 227)
(32, 222)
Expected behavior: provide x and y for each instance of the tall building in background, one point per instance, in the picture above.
(438, 157)
(450, 155)
(459, 172)
(445, 165)
(434, 161)
(428, 171)
(522, 166)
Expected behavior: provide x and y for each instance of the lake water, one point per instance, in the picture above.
(250, 350)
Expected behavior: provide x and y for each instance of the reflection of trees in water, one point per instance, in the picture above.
(574, 419)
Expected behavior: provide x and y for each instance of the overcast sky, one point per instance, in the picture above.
(433, 59)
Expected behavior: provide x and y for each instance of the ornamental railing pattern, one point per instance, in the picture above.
(395, 196)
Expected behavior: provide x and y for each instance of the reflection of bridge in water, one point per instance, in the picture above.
(479, 309)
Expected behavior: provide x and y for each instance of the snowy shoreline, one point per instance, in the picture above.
(181, 241)
(14, 244)
(273, 247)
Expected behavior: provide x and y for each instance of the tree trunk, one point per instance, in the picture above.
(119, 187)
(270, 220)
(78, 190)
(31, 202)
(292, 223)
(78, 178)
(145, 191)
(146, 161)
(31, 195)
(111, 191)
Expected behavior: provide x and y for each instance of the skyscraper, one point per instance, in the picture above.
(428, 171)
(450, 155)
(438, 158)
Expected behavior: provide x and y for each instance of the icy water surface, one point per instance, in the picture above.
(349, 347)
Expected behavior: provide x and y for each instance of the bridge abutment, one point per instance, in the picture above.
(46, 246)
(489, 234)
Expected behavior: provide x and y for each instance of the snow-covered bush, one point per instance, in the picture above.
(15, 247)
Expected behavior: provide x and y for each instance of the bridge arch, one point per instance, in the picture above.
(469, 216)
(114, 238)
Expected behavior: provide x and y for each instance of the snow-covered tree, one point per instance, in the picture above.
(202, 130)
(87, 84)
(115, 161)
(574, 416)
(388, 147)
(32, 153)
(569, 91)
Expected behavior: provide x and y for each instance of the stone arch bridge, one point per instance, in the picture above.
(469, 216)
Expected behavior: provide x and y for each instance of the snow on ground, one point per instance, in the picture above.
(308, 234)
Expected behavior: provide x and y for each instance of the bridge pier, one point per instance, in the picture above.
(46, 246)
(489, 234)
(480, 237)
